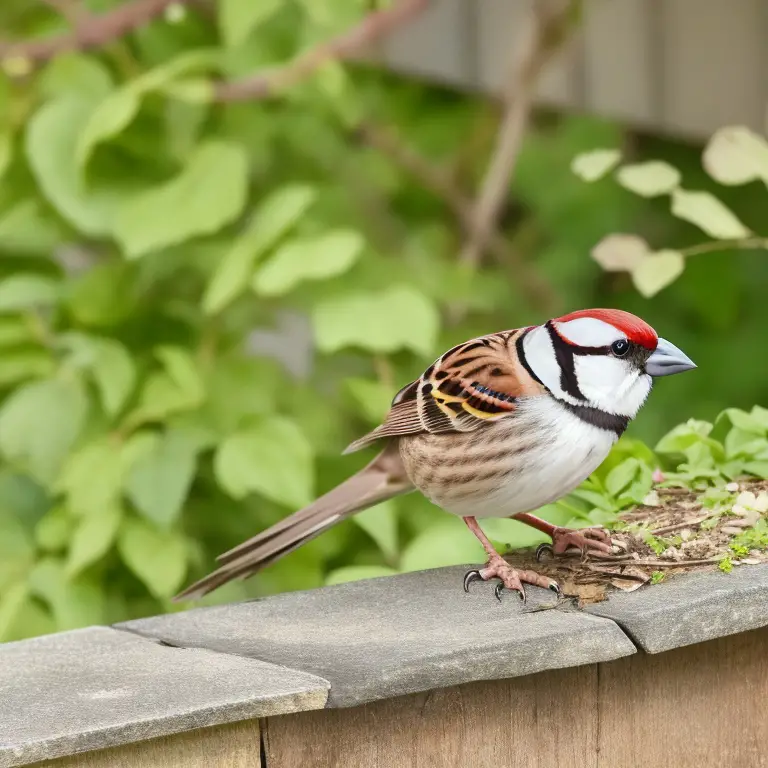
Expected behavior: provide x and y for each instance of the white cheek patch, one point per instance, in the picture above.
(588, 332)
(612, 384)
(541, 357)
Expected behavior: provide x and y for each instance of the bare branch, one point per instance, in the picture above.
(71, 10)
(372, 28)
(549, 25)
(94, 31)
(440, 183)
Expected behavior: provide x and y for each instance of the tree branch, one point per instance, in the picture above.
(372, 28)
(440, 183)
(92, 32)
(549, 25)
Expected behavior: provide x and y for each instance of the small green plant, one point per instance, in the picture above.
(739, 549)
(725, 564)
(657, 577)
(755, 537)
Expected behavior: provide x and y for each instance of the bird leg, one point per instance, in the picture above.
(498, 568)
(563, 539)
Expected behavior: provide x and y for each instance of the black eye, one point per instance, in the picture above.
(620, 347)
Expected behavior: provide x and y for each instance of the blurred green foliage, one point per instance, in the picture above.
(202, 304)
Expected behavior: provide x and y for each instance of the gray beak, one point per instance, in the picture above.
(668, 359)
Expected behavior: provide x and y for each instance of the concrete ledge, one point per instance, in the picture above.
(691, 608)
(336, 647)
(98, 687)
(392, 636)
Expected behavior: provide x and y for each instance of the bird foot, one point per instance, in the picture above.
(509, 578)
(585, 540)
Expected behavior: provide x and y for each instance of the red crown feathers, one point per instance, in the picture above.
(636, 330)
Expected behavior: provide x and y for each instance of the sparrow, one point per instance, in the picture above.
(496, 427)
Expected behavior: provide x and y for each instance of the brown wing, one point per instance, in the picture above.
(473, 383)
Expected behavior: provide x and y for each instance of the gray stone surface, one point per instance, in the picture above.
(691, 608)
(99, 687)
(387, 637)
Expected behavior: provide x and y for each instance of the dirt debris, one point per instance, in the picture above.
(674, 533)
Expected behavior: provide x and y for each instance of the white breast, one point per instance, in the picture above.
(560, 452)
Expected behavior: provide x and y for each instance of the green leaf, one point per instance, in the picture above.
(12, 600)
(308, 258)
(708, 214)
(739, 442)
(273, 218)
(16, 548)
(620, 253)
(683, 436)
(15, 329)
(119, 108)
(27, 228)
(209, 193)
(736, 155)
(75, 74)
(20, 365)
(238, 18)
(760, 416)
(272, 458)
(649, 179)
(92, 477)
(105, 295)
(398, 318)
(160, 480)
(183, 370)
(757, 468)
(23, 291)
(93, 538)
(54, 530)
(448, 542)
(373, 398)
(110, 364)
(621, 476)
(192, 90)
(40, 422)
(108, 119)
(160, 398)
(656, 271)
(157, 558)
(593, 165)
(749, 422)
(51, 141)
(358, 573)
(77, 602)
(380, 523)
(115, 374)
(6, 150)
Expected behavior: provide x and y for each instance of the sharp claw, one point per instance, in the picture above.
(499, 589)
(555, 587)
(469, 577)
(523, 596)
(541, 549)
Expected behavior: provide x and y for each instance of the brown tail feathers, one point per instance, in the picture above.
(382, 479)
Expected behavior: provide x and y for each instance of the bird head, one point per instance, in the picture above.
(604, 358)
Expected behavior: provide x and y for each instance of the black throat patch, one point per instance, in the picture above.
(610, 422)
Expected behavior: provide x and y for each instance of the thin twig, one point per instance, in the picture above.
(549, 25)
(71, 10)
(387, 141)
(678, 526)
(351, 42)
(677, 563)
(723, 245)
(97, 30)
